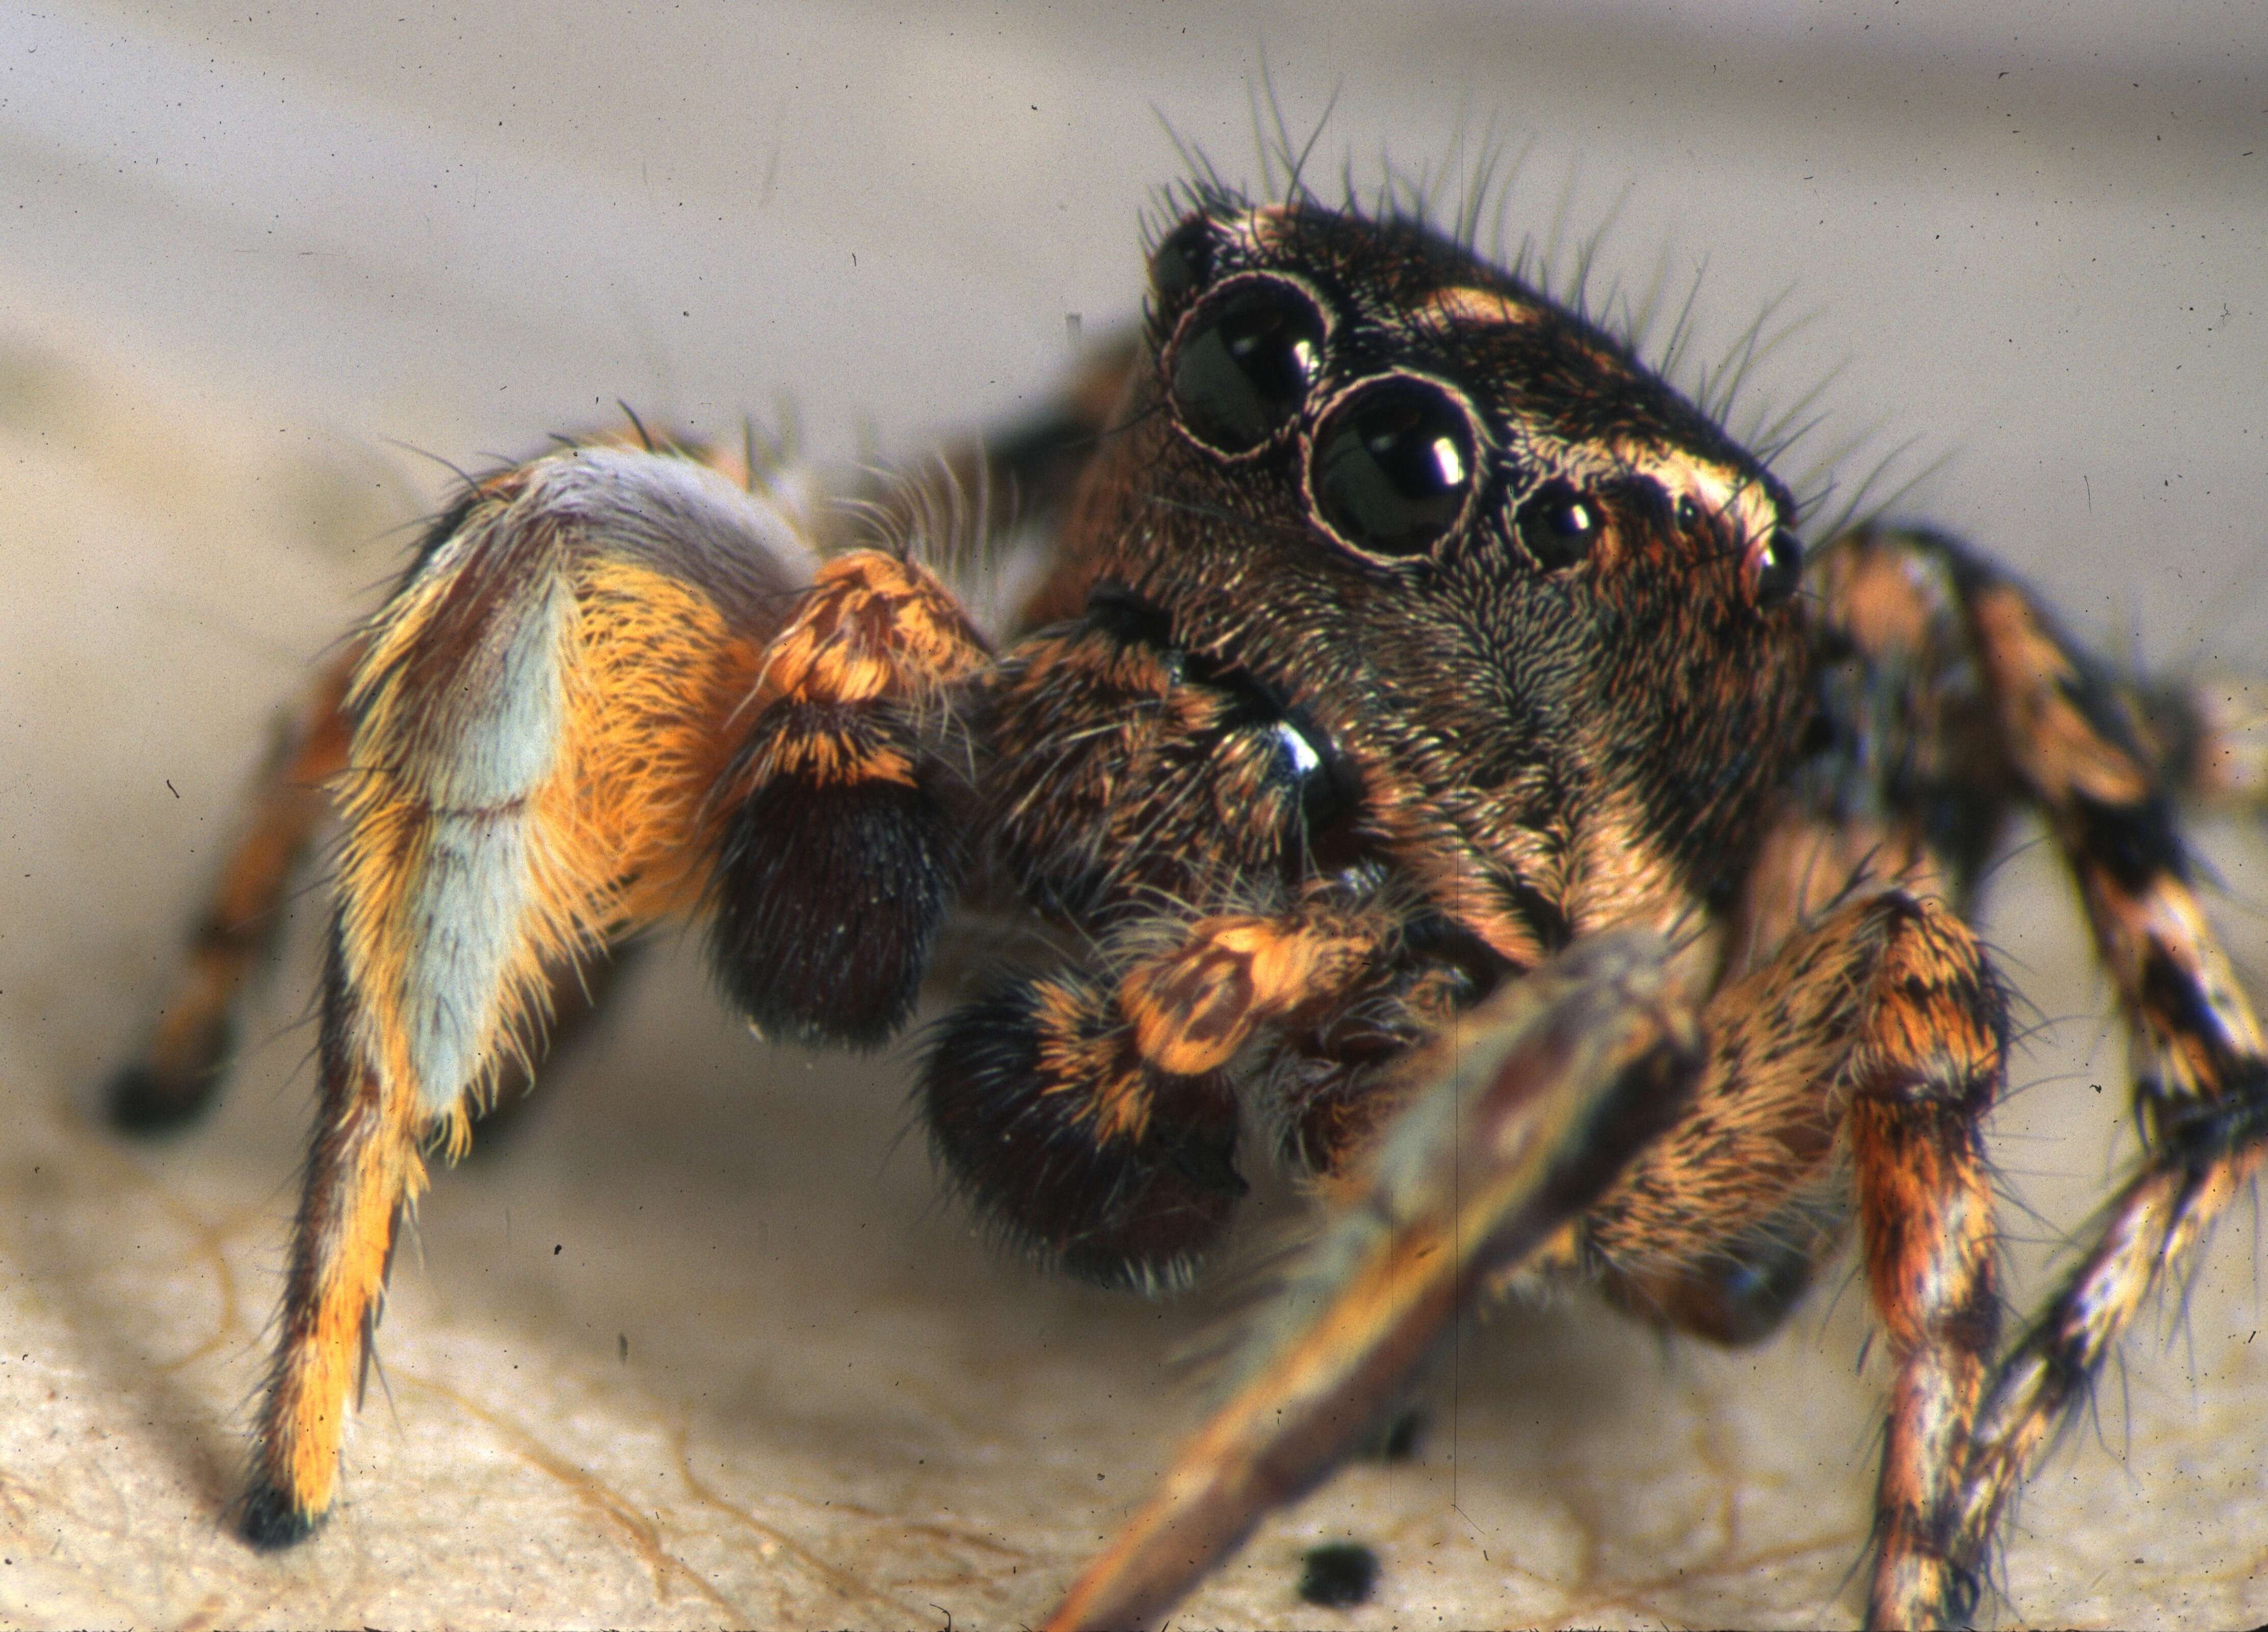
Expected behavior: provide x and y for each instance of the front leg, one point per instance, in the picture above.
(1868, 1050)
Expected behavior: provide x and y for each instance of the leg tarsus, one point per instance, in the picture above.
(268, 1522)
(138, 1100)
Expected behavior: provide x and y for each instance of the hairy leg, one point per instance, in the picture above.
(537, 714)
(1979, 701)
(1868, 1050)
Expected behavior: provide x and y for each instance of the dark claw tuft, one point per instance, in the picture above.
(271, 1522)
(137, 1101)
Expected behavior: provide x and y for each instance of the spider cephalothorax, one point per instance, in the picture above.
(1427, 744)
(1405, 596)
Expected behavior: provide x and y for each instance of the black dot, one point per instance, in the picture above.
(1338, 1575)
(1404, 1436)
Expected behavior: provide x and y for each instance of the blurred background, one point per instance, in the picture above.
(264, 277)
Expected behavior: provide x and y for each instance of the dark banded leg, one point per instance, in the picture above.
(2200, 1057)
(189, 1050)
(2009, 708)
(1927, 1067)
(1877, 1031)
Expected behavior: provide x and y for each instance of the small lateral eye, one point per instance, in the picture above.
(1182, 262)
(1242, 364)
(1559, 523)
(1394, 465)
(1781, 569)
(1688, 513)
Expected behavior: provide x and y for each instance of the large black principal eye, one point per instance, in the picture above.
(1394, 465)
(1243, 363)
(1559, 523)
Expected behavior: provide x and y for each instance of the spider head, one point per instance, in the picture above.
(1540, 603)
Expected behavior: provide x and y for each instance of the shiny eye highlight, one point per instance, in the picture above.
(1394, 465)
(1243, 363)
(1559, 523)
(1781, 569)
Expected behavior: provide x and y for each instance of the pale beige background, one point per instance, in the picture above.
(242, 259)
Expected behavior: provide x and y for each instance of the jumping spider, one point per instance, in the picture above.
(1426, 749)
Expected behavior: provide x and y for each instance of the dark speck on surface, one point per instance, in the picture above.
(1337, 1575)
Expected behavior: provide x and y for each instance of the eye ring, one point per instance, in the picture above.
(1244, 360)
(1393, 465)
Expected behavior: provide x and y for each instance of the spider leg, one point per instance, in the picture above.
(181, 1070)
(2200, 1058)
(2045, 722)
(1524, 1110)
(539, 713)
(190, 1049)
(1874, 1037)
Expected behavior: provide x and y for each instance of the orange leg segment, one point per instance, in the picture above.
(363, 1170)
(190, 1049)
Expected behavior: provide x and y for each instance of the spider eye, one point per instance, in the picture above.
(1559, 523)
(1688, 513)
(1394, 465)
(1781, 569)
(1242, 366)
(1183, 262)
